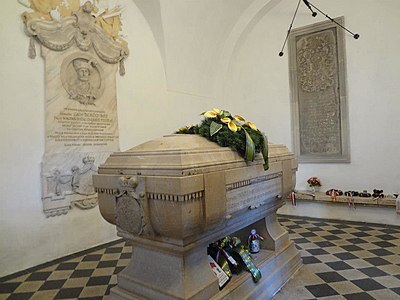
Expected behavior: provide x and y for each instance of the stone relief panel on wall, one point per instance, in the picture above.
(318, 85)
(82, 79)
(82, 54)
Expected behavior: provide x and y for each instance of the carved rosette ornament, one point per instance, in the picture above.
(83, 51)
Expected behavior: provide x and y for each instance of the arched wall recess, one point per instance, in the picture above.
(196, 44)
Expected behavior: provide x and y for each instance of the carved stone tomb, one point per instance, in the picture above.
(172, 196)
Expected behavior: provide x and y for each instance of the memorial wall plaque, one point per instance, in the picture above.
(81, 61)
(318, 91)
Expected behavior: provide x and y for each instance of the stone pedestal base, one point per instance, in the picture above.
(165, 271)
(152, 274)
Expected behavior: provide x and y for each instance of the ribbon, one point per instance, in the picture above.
(377, 194)
(293, 198)
(32, 49)
(350, 199)
(333, 195)
(248, 261)
(121, 67)
(230, 253)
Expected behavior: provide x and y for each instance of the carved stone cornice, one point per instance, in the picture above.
(80, 30)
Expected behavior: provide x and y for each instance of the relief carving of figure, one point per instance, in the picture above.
(84, 87)
(81, 181)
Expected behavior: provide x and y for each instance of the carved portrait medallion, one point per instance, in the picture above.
(82, 78)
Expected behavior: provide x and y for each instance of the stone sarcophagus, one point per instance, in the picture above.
(173, 196)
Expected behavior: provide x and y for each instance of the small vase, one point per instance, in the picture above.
(314, 189)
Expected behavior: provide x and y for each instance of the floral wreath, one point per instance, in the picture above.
(242, 136)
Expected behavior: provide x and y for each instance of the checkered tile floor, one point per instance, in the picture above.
(85, 276)
(342, 260)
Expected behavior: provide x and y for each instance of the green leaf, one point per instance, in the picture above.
(250, 148)
(265, 152)
(214, 128)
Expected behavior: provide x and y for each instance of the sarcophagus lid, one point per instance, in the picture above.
(181, 185)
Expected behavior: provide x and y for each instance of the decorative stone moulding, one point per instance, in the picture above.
(81, 61)
(81, 30)
(172, 196)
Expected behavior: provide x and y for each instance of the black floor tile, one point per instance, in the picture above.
(390, 230)
(381, 252)
(38, 276)
(68, 293)
(384, 244)
(307, 234)
(107, 264)
(360, 234)
(377, 261)
(109, 288)
(336, 231)
(310, 260)
(321, 224)
(67, 266)
(300, 221)
(52, 285)
(317, 251)
(324, 244)
(8, 287)
(351, 248)
(82, 273)
(339, 265)
(331, 277)
(315, 229)
(357, 241)
(373, 272)
(396, 290)
(341, 226)
(368, 284)
(301, 241)
(113, 250)
(126, 255)
(364, 228)
(294, 226)
(331, 237)
(118, 269)
(321, 290)
(98, 280)
(20, 296)
(345, 256)
(92, 257)
(386, 237)
(359, 296)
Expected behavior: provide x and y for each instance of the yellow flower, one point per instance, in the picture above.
(232, 126)
(251, 125)
(226, 120)
(212, 113)
(239, 118)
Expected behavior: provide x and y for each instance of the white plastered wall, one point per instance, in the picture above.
(258, 84)
(27, 237)
(185, 60)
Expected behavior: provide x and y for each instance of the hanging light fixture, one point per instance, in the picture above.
(311, 7)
